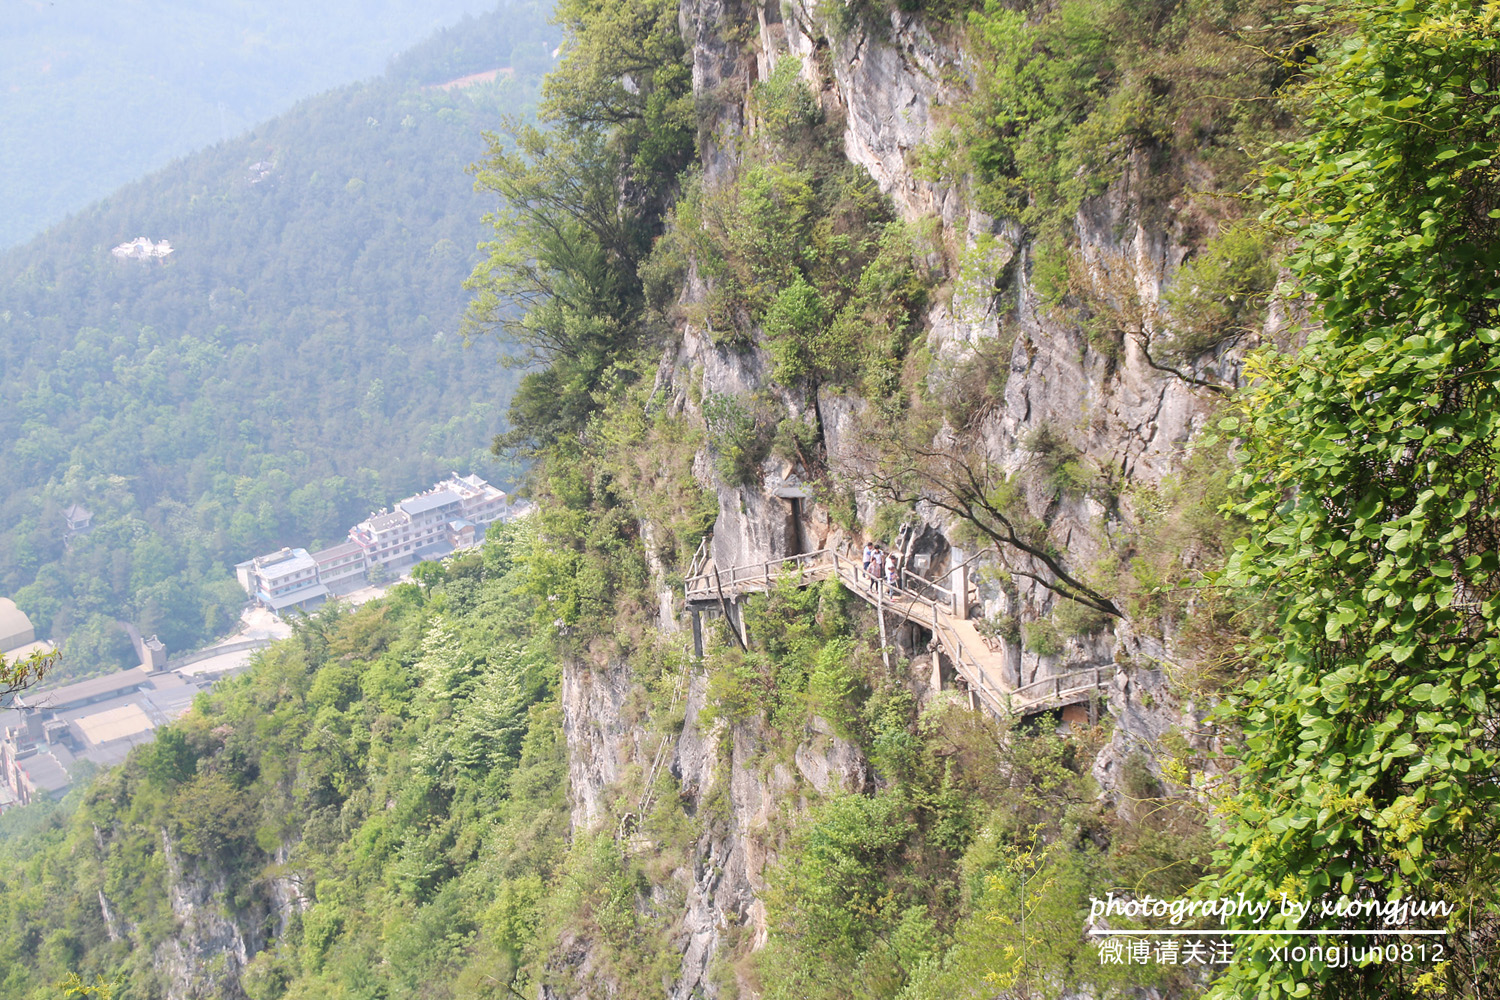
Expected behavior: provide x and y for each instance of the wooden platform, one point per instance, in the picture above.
(915, 600)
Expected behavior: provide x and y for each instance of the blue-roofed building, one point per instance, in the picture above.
(285, 578)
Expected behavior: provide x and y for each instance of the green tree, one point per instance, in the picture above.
(75, 986)
(625, 68)
(560, 280)
(1369, 754)
(428, 574)
(19, 674)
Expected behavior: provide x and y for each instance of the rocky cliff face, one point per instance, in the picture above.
(890, 89)
(212, 947)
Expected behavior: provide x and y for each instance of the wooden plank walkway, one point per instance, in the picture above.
(915, 600)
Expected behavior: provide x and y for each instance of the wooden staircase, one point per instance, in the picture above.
(915, 599)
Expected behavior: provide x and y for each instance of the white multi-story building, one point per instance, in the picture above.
(449, 516)
(340, 563)
(481, 502)
(439, 519)
(282, 579)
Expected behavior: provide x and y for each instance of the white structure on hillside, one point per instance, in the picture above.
(282, 579)
(142, 248)
(435, 522)
(428, 525)
(340, 563)
(17, 636)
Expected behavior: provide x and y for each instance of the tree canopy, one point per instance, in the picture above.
(1369, 752)
(295, 363)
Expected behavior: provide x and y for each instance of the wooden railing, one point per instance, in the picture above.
(1062, 689)
(700, 557)
(754, 577)
(918, 600)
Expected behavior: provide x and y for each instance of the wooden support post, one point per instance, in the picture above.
(937, 671)
(744, 635)
(724, 606)
(698, 635)
(885, 649)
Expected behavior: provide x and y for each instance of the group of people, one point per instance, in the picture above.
(881, 565)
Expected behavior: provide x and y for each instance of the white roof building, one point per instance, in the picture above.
(16, 630)
(142, 248)
(282, 579)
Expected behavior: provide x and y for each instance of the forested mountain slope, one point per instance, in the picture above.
(94, 95)
(293, 364)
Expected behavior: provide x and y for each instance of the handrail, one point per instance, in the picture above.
(1074, 679)
(700, 557)
(811, 566)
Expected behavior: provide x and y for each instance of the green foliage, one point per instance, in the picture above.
(802, 246)
(801, 660)
(1168, 569)
(647, 453)
(74, 986)
(1368, 751)
(625, 67)
(797, 440)
(831, 687)
(835, 896)
(968, 873)
(418, 817)
(794, 318)
(292, 366)
(739, 435)
(1077, 619)
(791, 119)
(1042, 637)
(20, 673)
(170, 760)
(562, 278)
(1020, 935)
(1068, 95)
(973, 387)
(1220, 292)
(81, 98)
(559, 278)
(1059, 466)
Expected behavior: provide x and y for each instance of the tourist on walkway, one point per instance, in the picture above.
(877, 566)
(869, 554)
(893, 573)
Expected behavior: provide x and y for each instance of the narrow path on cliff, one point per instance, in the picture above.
(977, 660)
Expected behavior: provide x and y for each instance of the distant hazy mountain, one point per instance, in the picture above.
(94, 94)
(293, 362)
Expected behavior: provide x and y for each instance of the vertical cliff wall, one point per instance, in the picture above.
(891, 87)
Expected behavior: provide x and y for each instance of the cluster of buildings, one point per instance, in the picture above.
(48, 734)
(45, 735)
(142, 248)
(451, 515)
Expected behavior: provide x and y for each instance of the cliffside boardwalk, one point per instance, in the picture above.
(915, 600)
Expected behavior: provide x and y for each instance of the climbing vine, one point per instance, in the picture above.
(1372, 742)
